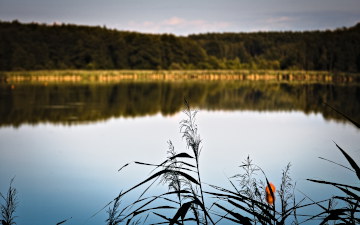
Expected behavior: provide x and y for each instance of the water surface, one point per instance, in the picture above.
(65, 142)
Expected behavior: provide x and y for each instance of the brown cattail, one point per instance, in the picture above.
(270, 195)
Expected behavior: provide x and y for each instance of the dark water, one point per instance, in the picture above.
(84, 103)
(65, 142)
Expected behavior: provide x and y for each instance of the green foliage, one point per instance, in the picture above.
(39, 46)
(336, 50)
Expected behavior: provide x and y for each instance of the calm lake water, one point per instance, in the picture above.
(64, 142)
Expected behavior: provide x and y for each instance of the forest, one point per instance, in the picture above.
(36, 46)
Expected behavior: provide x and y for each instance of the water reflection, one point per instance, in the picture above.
(75, 103)
(73, 169)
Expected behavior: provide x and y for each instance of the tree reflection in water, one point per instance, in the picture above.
(73, 103)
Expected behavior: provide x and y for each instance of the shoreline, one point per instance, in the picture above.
(110, 76)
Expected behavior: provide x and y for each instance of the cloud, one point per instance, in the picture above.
(174, 21)
(178, 25)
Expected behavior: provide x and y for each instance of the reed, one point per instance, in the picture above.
(347, 211)
(252, 199)
(184, 199)
(8, 208)
(114, 216)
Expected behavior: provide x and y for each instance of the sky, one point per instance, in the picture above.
(183, 17)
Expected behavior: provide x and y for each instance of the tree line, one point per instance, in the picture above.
(65, 46)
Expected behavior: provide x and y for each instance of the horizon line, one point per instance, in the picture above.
(104, 26)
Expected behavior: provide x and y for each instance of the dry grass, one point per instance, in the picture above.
(113, 76)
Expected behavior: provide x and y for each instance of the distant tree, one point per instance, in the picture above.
(35, 46)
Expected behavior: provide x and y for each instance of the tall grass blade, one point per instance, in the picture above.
(202, 206)
(162, 216)
(64, 221)
(134, 213)
(351, 161)
(158, 174)
(259, 216)
(248, 201)
(123, 167)
(97, 212)
(355, 196)
(196, 214)
(337, 164)
(146, 164)
(347, 117)
(334, 214)
(153, 208)
(140, 209)
(148, 187)
(241, 198)
(181, 155)
(168, 219)
(181, 212)
(239, 218)
(334, 184)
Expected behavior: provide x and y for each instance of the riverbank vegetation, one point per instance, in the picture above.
(64, 46)
(114, 76)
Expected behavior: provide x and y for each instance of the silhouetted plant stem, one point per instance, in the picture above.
(189, 130)
(201, 189)
(350, 213)
(9, 207)
(246, 205)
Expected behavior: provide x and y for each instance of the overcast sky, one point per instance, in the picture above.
(184, 17)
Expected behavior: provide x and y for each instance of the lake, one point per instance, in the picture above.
(64, 138)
